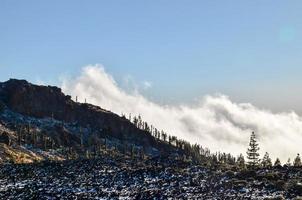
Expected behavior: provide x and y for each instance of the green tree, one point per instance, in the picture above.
(135, 121)
(266, 161)
(163, 136)
(288, 163)
(130, 118)
(240, 161)
(140, 122)
(252, 152)
(297, 161)
(277, 163)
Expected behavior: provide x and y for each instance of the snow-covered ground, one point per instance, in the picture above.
(121, 178)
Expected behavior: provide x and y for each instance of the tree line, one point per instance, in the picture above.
(196, 151)
(254, 160)
(97, 143)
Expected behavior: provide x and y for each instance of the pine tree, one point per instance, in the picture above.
(174, 140)
(130, 118)
(241, 162)
(169, 139)
(135, 121)
(266, 161)
(277, 163)
(297, 161)
(252, 152)
(163, 136)
(140, 122)
(288, 163)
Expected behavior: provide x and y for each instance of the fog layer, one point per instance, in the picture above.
(215, 122)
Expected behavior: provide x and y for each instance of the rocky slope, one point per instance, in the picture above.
(118, 177)
(42, 117)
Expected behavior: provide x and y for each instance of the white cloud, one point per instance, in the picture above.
(215, 122)
(147, 85)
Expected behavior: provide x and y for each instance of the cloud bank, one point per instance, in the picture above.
(215, 122)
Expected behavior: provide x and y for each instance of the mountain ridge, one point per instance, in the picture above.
(46, 110)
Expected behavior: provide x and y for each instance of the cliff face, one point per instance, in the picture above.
(38, 101)
(41, 102)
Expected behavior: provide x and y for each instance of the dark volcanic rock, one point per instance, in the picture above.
(123, 178)
(36, 101)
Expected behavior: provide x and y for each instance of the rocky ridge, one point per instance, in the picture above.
(48, 119)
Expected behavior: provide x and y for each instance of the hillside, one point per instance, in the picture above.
(36, 118)
(52, 147)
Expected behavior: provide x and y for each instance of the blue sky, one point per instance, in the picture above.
(249, 50)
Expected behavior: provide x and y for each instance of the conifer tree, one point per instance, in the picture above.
(252, 152)
(297, 161)
(169, 139)
(130, 118)
(266, 161)
(174, 140)
(241, 162)
(135, 121)
(140, 122)
(288, 163)
(277, 163)
(163, 136)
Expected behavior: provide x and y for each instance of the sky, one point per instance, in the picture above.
(250, 50)
(206, 71)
